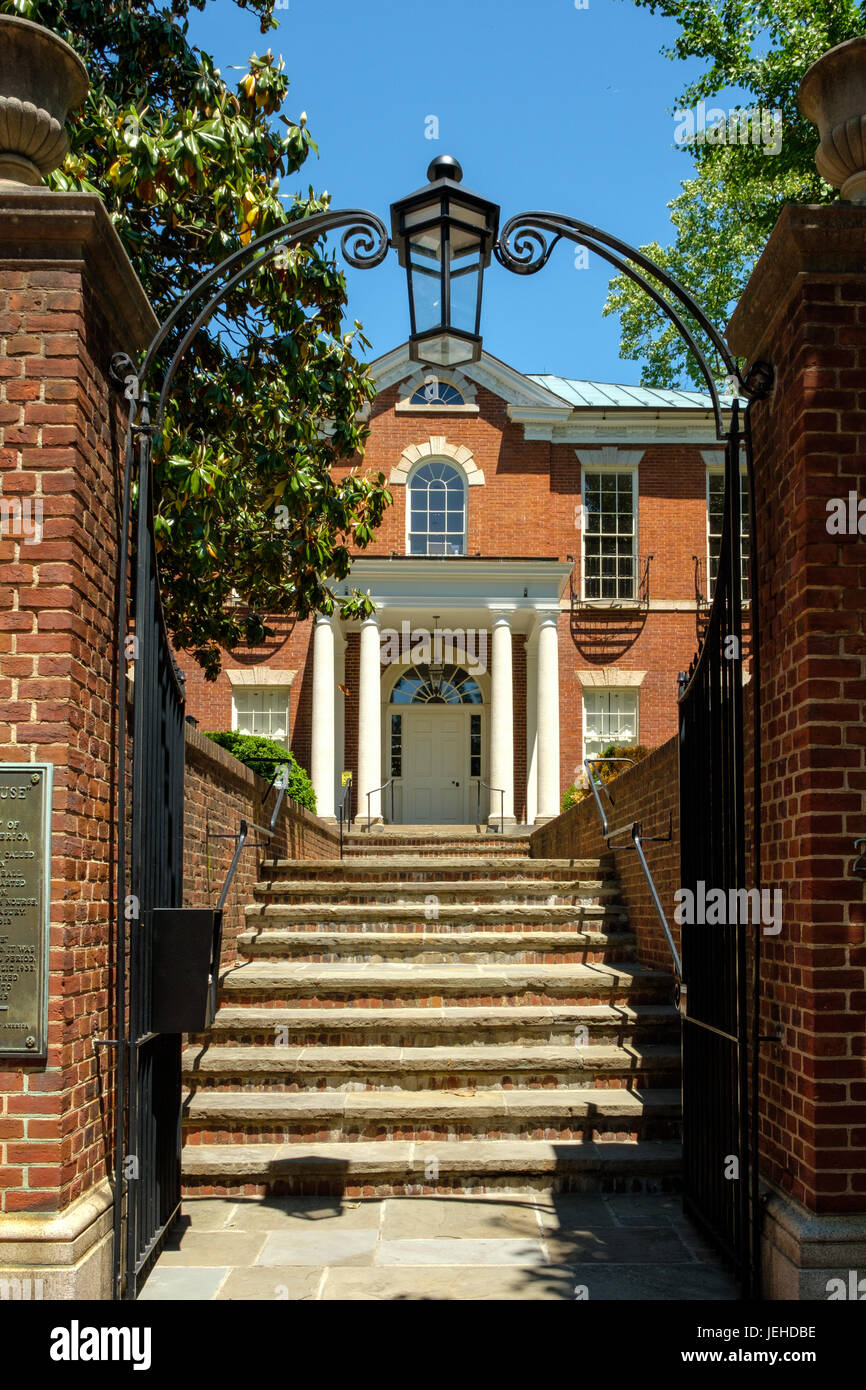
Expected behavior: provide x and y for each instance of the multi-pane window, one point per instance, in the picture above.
(609, 716)
(437, 511)
(715, 516)
(396, 745)
(262, 710)
(609, 535)
(436, 392)
(418, 687)
(475, 745)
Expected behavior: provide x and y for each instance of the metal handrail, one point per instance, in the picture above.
(342, 817)
(637, 840)
(482, 783)
(389, 783)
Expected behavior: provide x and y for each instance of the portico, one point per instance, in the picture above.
(435, 701)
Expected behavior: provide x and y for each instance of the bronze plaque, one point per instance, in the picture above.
(25, 887)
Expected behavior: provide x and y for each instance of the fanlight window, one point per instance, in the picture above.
(436, 392)
(417, 687)
(437, 511)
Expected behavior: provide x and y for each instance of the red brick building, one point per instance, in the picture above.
(548, 545)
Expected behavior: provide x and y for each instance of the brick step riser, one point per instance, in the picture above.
(411, 917)
(633, 1182)
(439, 1081)
(405, 897)
(555, 1036)
(382, 874)
(292, 997)
(627, 1131)
(586, 932)
(451, 849)
(442, 955)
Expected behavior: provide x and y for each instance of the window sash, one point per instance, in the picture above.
(609, 716)
(609, 545)
(436, 509)
(262, 711)
(715, 518)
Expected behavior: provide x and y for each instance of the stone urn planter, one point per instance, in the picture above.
(833, 95)
(41, 80)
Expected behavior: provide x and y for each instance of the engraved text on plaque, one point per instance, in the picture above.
(25, 877)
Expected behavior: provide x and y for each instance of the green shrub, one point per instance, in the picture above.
(604, 771)
(266, 757)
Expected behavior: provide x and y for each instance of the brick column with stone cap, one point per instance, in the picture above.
(69, 298)
(804, 311)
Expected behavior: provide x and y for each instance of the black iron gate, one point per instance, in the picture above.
(149, 1089)
(719, 1176)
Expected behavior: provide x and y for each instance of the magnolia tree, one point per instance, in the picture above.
(752, 153)
(249, 519)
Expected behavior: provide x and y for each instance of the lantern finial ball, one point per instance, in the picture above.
(444, 166)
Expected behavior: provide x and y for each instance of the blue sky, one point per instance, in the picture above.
(545, 105)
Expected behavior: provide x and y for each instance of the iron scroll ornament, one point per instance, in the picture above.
(528, 240)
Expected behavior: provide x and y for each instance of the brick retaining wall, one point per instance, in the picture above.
(648, 793)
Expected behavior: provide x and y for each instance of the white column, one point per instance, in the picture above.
(322, 754)
(339, 709)
(548, 716)
(501, 721)
(531, 731)
(369, 723)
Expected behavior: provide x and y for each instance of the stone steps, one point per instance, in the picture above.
(440, 1016)
(384, 868)
(333, 915)
(439, 945)
(431, 1068)
(544, 1025)
(414, 1168)
(597, 1115)
(373, 985)
(490, 846)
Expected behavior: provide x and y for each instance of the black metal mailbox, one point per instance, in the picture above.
(184, 964)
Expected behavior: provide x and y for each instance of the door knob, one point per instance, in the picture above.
(455, 784)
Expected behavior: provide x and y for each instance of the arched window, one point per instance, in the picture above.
(418, 687)
(436, 392)
(437, 510)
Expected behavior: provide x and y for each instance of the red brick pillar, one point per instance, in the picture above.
(69, 298)
(804, 311)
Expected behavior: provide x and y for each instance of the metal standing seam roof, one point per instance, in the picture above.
(602, 394)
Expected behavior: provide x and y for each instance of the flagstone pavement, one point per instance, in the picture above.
(506, 1246)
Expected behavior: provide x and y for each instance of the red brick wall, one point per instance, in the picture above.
(648, 793)
(805, 311)
(219, 792)
(67, 300)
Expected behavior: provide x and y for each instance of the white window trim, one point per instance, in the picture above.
(269, 685)
(605, 467)
(463, 480)
(611, 690)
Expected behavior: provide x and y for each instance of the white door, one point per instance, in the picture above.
(435, 765)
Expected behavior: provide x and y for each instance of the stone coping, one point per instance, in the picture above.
(807, 240)
(73, 231)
